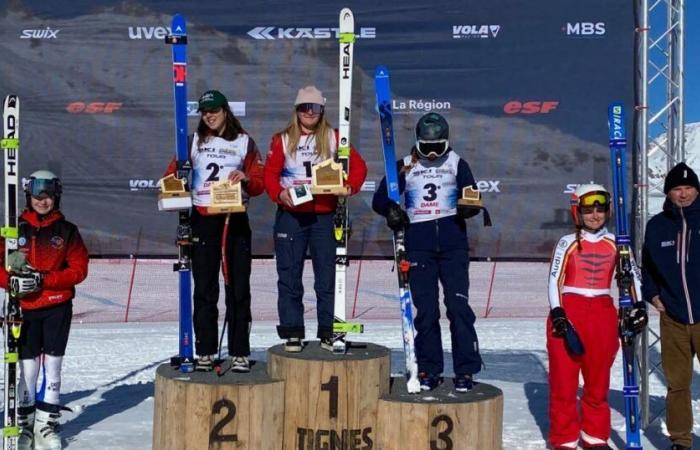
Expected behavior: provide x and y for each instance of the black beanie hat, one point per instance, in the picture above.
(681, 175)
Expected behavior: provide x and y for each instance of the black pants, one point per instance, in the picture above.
(207, 234)
(45, 331)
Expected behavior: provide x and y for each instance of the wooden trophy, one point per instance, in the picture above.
(327, 178)
(226, 198)
(173, 196)
(470, 197)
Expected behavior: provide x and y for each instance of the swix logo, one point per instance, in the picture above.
(584, 29)
(271, 33)
(179, 73)
(93, 107)
(148, 32)
(238, 108)
(517, 107)
(143, 185)
(475, 31)
(488, 185)
(44, 33)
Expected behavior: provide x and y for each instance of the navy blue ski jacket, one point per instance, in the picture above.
(447, 233)
(671, 261)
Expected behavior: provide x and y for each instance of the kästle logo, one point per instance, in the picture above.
(273, 33)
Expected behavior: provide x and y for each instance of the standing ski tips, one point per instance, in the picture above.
(178, 40)
(12, 315)
(386, 126)
(625, 276)
(341, 221)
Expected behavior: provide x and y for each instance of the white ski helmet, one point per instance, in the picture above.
(43, 182)
(590, 194)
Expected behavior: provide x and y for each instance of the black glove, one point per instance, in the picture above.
(467, 212)
(559, 321)
(396, 217)
(637, 318)
(25, 282)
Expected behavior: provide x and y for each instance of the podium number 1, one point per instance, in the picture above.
(332, 388)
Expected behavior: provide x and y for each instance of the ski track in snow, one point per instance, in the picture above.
(109, 371)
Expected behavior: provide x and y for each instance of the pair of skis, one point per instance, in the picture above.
(12, 314)
(381, 79)
(625, 277)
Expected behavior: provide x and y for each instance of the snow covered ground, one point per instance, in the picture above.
(109, 367)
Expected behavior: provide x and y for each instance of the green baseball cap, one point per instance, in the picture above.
(211, 100)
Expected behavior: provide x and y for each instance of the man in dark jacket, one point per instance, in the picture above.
(671, 282)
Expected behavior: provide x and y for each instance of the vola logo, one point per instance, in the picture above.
(475, 31)
(271, 33)
(148, 32)
(44, 33)
(584, 29)
(517, 107)
(140, 185)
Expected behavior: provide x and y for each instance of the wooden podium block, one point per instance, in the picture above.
(331, 399)
(441, 418)
(201, 410)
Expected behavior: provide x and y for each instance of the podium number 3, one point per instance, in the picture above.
(215, 435)
(332, 388)
(443, 436)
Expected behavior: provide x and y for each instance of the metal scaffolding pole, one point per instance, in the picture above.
(660, 37)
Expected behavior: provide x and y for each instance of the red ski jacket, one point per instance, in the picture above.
(53, 247)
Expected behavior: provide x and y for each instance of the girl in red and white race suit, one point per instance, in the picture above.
(580, 277)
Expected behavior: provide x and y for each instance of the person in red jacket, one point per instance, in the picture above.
(307, 140)
(54, 261)
(220, 150)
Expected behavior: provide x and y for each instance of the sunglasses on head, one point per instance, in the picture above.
(310, 108)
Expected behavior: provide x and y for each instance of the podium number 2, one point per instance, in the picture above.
(332, 388)
(215, 435)
(443, 436)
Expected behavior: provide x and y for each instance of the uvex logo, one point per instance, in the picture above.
(43, 33)
(488, 185)
(144, 184)
(148, 32)
(93, 107)
(534, 107)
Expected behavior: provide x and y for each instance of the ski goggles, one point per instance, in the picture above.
(40, 188)
(595, 199)
(309, 108)
(434, 149)
(596, 208)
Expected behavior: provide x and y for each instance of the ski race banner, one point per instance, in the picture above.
(525, 88)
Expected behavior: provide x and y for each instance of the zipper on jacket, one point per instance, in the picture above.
(684, 250)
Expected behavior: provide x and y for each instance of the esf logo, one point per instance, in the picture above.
(93, 107)
(488, 185)
(238, 108)
(517, 107)
(584, 29)
(475, 31)
(44, 33)
(148, 32)
(142, 185)
(271, 33)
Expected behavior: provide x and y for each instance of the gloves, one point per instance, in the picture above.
(466, 212)
(26, 282)
(559, 321)
(637, 318)
(396, 217)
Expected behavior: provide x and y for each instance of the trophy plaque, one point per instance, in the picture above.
(327, 178)
(172, 195)
(470, 197)
(225, 198)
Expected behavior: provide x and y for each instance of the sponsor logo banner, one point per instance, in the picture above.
(42, 33)
(530, 107)
(136, 184)
(419, 105)
(475, 31)
(157, 32)
(273, 33)
(93, 107)
(584, 29)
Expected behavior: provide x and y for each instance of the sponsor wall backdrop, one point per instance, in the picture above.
(524, 87)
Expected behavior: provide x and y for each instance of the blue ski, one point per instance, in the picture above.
(178, 40)
(625, 278)
(381, 80)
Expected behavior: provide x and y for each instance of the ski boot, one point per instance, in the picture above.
(46, 435)
(25, 420)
